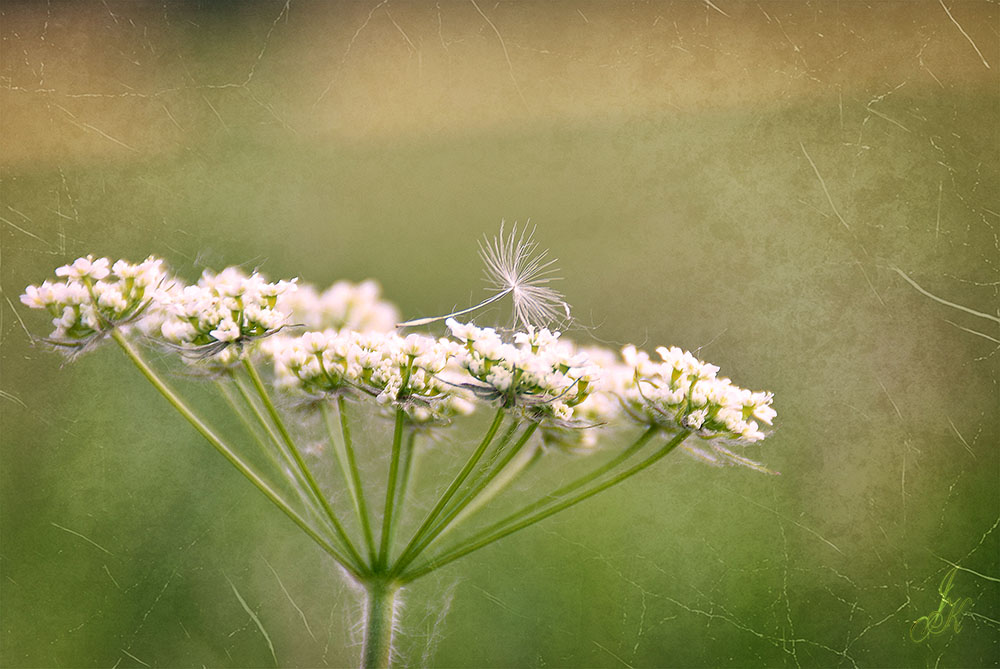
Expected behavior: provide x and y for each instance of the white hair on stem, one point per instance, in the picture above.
(513, 267)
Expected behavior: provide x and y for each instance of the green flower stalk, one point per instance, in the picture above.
(540, 390)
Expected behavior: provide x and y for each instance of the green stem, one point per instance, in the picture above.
(251, 429)
(477, 488)
(245, 396)
(405, 468)
(484, 482)
(303, 468)
(570, 487)
(515, 468)
(349, 470)
(299, 480)
(345, 430)
(483, 469)
(227, 452)
(269, 451)
(455, 484)
(457, 553)
(390, 490)
(380, 612)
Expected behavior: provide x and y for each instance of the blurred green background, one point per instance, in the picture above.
(740, 179)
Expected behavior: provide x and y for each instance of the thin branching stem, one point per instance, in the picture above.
(446, 520)
(570, 487)
(390, 490)
(270, 449)
(248, 425)
(505, 476)
(349, 469)
(489, 477)
(300, 482)
(405, 468)
(484, 467)
(455, 485)
(272, 410)
(462, 498)
(345, 430)
(462, 551)
(226, 451)
(261, 420)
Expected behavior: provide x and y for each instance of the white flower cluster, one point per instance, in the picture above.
(222, 309)
(352, 347)
(599, 409)
(354, 306)
(682, 391)
(411, 372)
(537, 373)
(95, 296)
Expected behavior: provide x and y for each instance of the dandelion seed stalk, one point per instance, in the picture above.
(514, 267)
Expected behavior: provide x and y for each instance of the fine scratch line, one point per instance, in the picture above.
(18, 317)
(612, 655)
(256, 620)
(289, 596)
(960, 567)
(503, 45)
(823, 184)
(77, 534)
(11, 397)
(975, 332)
(961, 438)
(347, 51)
(23, 231)
(710, 4)
(793, 522)
(134, 658)
(962, 30)
(941, 300)
(937, 227)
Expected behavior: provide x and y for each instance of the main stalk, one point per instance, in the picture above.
(380, 618)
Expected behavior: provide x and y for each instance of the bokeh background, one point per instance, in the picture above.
(751, 180)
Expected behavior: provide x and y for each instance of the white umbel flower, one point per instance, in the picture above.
(410, 372)
(537, 376)
(85, 268)
(683, 392)
(95, 297)
(220, 311)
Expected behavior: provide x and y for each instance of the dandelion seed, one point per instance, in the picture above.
(514, 267)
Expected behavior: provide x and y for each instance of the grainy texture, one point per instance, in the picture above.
(805, 191)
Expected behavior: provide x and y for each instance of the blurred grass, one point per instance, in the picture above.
(702, 224)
